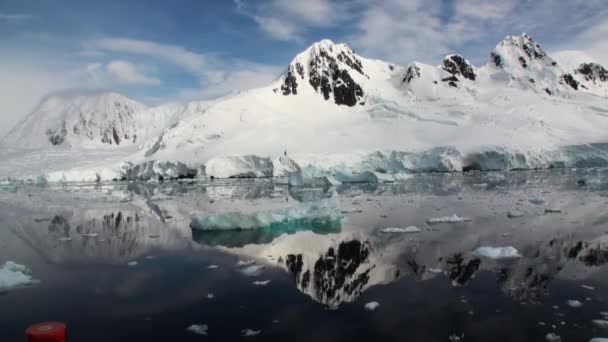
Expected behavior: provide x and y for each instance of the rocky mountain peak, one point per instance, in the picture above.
(330, 69)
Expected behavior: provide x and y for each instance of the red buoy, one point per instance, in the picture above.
(46, 332)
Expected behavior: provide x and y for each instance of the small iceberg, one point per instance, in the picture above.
(250, 332)
(132, 263)
(13, 275)
(497, 252)
(573, 303)
(213, 267)
(371, 306)
(553, 337)
(600, 323)
(514, 214)
(252, 270)
(261, 283)
(199, 329)
(308, 215)
(391, 230)
(537, 200)
(448, 219)
(598, 339)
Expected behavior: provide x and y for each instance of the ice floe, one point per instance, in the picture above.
(261, 283)
(199, 329)
(250, 332)
(573, 303)
(448, 219)
(410, 229)
(371, 306)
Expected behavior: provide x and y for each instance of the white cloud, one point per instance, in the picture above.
(276, 28)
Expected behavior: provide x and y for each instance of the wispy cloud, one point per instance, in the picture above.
(175, 54)
(290, 20)
(13, 17)
(119, 71)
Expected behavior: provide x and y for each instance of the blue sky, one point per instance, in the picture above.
(180, 50)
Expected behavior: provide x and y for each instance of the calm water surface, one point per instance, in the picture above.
(135, 270)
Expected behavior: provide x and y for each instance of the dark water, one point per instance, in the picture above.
(322, 269)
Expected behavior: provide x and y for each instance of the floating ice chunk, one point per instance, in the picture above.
(604, 314)
(253, 270)
(65, 238)
(587, 287)
(497, 252)
(456, 338)
(351, 211)
(553, 337)
(600, 323)
(213, 267)
(250, 332)
(261, 283)
(309, 214)
(283, 166)
(598, 339)
(447, 219)
(90, 235)
(573, 303)
(14, 275)
(514, 214)
(199, 329)
(536, 200)
(210, 296)
(553, 210)
(132, 263)
(410, 229)
(435, 270)
(371, 306)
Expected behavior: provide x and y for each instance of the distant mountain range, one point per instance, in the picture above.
(332, 109)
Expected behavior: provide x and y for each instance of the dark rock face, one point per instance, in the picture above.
(335, 276)
(593, 72)
(523, 63)
(548, 91)
(290, 85)
(497, 60)
(457, 65)
(329, 76)
(411, 73)
(452, 81)
(569, 80)
(57, 137)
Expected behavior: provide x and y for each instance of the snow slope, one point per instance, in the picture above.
(333, 111)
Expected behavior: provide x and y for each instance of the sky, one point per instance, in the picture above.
(157, 51)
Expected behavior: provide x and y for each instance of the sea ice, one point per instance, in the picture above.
(132, 263)
(497, 252)
(213, 267)
(553, 337)
(14, 275)
(410, 229)
(447, 219)
(573, 303)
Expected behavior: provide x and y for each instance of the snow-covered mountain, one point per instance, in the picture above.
(90, 121)
(335, 111)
